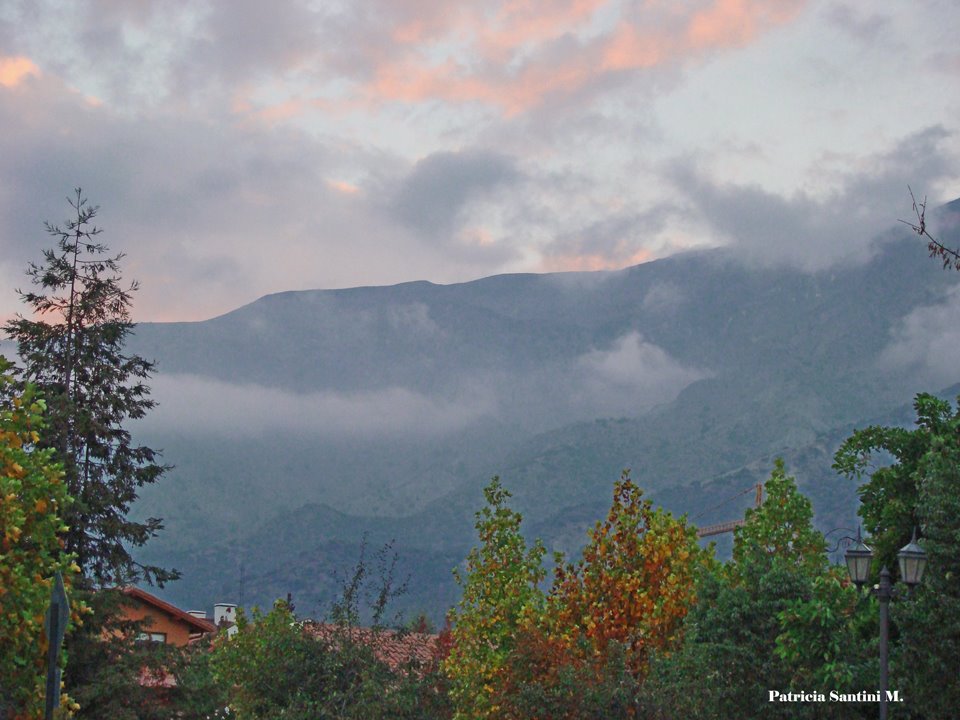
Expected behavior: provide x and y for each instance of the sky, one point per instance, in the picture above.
(238, 147)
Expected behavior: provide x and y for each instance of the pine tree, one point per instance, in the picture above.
(72, 350)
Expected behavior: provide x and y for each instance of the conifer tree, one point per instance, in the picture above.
(72, 350)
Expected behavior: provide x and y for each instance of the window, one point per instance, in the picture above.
(152, 637)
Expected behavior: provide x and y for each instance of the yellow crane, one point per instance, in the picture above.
(729, 526)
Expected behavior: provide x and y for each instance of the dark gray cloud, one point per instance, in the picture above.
(814, 233)
(245, 41)
(432, 196)
(215, 211)
(860, 21)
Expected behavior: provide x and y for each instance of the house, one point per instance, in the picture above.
(161, 621)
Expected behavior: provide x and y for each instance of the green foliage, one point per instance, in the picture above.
(700, 682)
(888, 499)
(828, 638)
(73, 352)
(779, 531)
(33, 499)
(500, 588)
(583, 650)
(775, 618)
(276, 666)
(544, 679)
(919, 489)
(734, 627)
(109, 664)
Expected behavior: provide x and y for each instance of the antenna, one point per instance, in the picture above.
(242, 578)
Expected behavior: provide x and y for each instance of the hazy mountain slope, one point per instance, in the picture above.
(303, 420)
(309, 551)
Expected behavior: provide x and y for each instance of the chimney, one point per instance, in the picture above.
(225, 615)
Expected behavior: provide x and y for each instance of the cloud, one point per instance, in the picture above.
(630, 377)
(516, 56)
(509, 55)
(926, 344)
(216, 212)
(663, 298)
(197, 405)
(619, 240)
(14, 69)
(865, 27)
(431, 197)
(814, 233)
(238, 148)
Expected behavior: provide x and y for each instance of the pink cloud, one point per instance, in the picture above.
(595, 261)
(733, 23)
(14, 69)
(520, 24)
(520, 53)
(510, 55)
(343, 186)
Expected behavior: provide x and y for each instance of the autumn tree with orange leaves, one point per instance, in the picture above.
(634, 584)
(584, 649)
(32, 499)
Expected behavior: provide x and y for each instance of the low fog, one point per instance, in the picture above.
(622, 380)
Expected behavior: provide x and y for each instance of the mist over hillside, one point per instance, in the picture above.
(305, 420)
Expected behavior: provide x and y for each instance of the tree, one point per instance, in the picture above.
(73, 352)
(278, 666)
(500, 588)
(587, 654)
(275, 669)
(780, 530)
(109, 661)
(919, 489)
(776, 617)
(890, 497)
(33, 498)
(634, 583)
(828, 637)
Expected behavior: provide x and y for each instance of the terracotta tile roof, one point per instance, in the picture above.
(156, 678)
(197, 624)
(397, 649)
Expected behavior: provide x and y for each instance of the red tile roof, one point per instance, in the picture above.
(197, 624)
(395, 648)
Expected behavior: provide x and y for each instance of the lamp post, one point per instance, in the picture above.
(912, 560)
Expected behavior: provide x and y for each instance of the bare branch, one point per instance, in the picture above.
(936, 248)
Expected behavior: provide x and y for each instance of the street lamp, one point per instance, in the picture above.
(912, 560)
(858, 559)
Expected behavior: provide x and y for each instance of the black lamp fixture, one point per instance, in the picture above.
(858, 557)
(912, 560)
